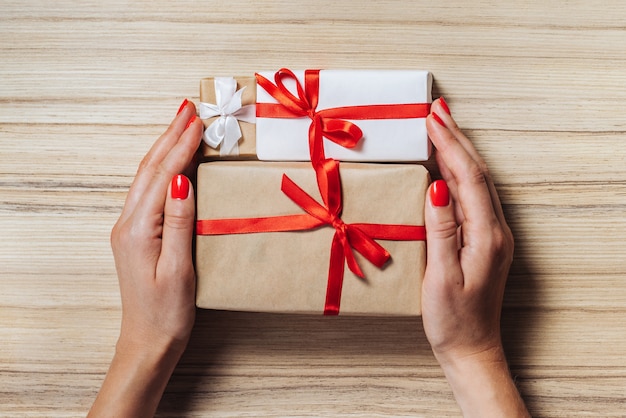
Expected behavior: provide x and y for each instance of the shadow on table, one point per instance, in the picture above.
(229, 350)
(521, 307)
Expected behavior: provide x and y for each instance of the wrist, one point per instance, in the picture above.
(153, 353)
(136, 379)
(145, 342)
(482, 384)
(458, 361)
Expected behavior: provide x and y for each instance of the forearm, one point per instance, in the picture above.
(135, 382)
(483, 386)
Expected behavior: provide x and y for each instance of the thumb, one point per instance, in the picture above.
(442, 258)
(178, 226)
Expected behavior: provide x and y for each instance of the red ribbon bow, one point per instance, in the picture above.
(348, 237)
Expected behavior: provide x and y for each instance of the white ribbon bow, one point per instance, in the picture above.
(225, 130)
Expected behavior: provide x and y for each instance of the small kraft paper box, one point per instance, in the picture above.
(362, 115)
(288, 271)
(227, 109)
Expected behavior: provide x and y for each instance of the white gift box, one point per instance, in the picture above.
(387, 139)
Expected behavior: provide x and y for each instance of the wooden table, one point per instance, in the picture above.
(86, 87)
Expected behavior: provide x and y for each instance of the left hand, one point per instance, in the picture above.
(152, 247)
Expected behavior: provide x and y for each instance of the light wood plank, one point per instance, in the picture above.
(86, 87)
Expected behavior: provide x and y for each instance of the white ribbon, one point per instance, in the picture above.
(225, 130)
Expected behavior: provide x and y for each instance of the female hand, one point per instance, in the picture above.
(152, 243)
(470, 249)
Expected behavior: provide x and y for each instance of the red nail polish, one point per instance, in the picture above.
(180, 187)
(438, 119)
(182, 106)
(193, 118)
(444, 105)
(439, 193)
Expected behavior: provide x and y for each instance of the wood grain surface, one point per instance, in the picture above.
(86, 87)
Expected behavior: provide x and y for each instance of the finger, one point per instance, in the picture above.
(442, 258)
(443, 111)
(172, 134)
(452, 187)
(178, 226)
(155, 155)
(441, 108)
(472, 189)
(176, 161)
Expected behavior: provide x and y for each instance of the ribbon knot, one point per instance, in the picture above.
(225, 130)
(339, 225)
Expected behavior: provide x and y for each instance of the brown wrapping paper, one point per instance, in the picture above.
(288, 271)
(247, 143)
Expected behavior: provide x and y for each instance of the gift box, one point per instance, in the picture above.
(349, 115)
(258, 248)
(228, 113)
(364, 115)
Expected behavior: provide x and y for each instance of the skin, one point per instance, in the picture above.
(462, 290)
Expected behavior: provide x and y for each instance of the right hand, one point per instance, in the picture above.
(470, 250)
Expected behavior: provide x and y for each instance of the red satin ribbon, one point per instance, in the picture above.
(347, 239)
(329, 123)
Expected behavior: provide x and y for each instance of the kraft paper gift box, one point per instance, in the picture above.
(289, 271)
(388, 107)
(216, 95)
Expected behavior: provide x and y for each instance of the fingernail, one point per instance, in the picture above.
(182, 106)
(439, 194)
(180, 187)
(193, 118)
(438, 119)
(444, 105)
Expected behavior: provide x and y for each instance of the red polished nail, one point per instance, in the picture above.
(439, 193)
(180, 187)
(193, 118)
(444, 105)
(438, 119)
(182, 106)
